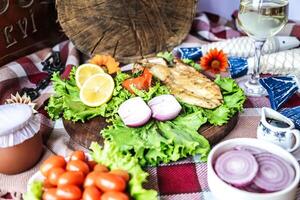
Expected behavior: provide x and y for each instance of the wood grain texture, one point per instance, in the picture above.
(85, 133)
(126, 29)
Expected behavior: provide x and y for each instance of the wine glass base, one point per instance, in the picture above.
(252, 89)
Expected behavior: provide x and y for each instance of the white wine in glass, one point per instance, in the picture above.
(260, 19)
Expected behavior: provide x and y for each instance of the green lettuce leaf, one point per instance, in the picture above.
(234, 99)
(186, 142)
(218, 116)
(111, 156)
(160, 142)
(192, 64)
(35, 192)
(55, 107)
(168, 56)
(227, 85)
(191, 121)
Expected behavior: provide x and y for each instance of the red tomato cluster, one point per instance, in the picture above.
(80, 179)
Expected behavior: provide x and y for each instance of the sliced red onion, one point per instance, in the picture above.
(251, 188)
(134, 112)
(253, 150)
(237, 167)
(274, 173)
(164, 107)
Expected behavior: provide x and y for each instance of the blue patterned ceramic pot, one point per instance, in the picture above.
(278, 129)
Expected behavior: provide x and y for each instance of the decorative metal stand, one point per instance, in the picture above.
(51, 65)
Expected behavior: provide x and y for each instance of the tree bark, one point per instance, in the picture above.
(126, 29)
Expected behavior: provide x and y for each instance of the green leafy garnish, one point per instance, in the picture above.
(227, 85)
(234, 99)
(168, 56)
(111, 156)
(192, 64)
(218, 116)
(35, 191)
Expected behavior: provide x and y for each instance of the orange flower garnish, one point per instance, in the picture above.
(215, 61)
(106, 61)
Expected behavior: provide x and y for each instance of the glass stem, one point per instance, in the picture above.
(256, 70)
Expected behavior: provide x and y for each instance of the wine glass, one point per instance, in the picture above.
(260, 19)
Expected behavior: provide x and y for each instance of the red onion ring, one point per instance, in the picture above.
(237, 167)
(253, 150)
(274, 173)
(251, 188)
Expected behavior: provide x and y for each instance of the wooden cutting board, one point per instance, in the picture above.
(128, 30)
(85, 133)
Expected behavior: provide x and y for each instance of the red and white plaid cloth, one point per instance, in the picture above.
(182, 180)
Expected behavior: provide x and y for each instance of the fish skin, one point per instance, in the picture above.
(186, 83)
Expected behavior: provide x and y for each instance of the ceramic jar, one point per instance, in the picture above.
(21, 143)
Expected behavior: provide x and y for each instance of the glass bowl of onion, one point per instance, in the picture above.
(248, 169)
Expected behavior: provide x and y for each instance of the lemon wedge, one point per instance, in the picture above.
(97, 90)
(85, 71)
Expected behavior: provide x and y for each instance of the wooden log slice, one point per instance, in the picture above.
(85, 133)
(127, 29)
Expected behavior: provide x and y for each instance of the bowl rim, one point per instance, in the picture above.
(265, 146)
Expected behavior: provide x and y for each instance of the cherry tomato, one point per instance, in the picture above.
(69, 192)
(50, 194)
(101, 168)
(114, 196)
(91, 178)
(71, 178)
(47, 185)
(121, 173)
(52, 162)
(78, 155)
(110, 182)
(91, 193)
(78, 165)
(54, 174)
(91, 164)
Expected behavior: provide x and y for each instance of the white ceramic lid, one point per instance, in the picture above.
(17, 124)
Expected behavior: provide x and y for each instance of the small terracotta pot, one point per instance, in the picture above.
(19, 158)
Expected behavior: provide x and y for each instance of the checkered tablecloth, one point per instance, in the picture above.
(186, 179)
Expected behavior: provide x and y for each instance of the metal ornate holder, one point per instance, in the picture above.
(51, 65)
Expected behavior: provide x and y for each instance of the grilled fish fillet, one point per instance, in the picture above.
(186, 83)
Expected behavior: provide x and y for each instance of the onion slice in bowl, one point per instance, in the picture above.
(274, 173)
(164, 107)
(134, 112)
(251, 188)
(253, 150)
(236, 167)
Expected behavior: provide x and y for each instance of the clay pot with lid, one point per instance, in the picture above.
(21, 143)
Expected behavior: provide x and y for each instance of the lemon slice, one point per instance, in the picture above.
(85, 71)
(97, 90)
